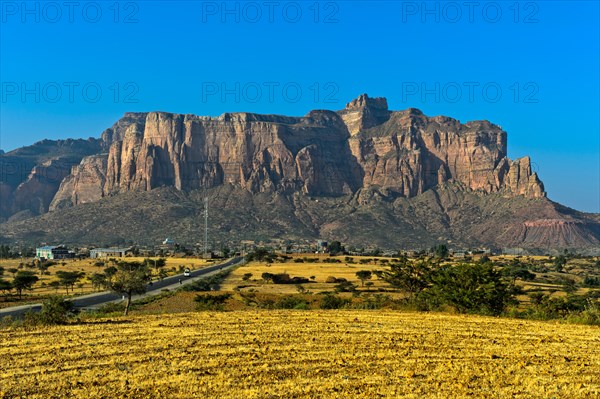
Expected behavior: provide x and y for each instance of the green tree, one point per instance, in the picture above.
(364, 275)
(162, 274)
(261, 254)
(110, 271)
(5, 286)
(69, 279)
(469, 287)
(559, 263)
(267, 276)
(484, 259)
(247, 276)
(4, 251)
(440, 251)
(517, 272)
(97, 280)
(130, 278)
(55, 285)
(55, 310)
(335, 247)
(24, 280)
(410, 277)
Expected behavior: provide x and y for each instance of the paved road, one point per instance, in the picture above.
(98, 299)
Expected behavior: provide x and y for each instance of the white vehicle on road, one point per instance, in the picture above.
(186, 273)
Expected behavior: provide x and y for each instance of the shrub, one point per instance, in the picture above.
(330, 301)
(331, 280)
(376, 301)
(55, 310)
(291, 302)
(211, 302)
(284, 278)
(468, 288)
(345, 286)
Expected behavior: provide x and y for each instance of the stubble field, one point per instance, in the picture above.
(308, 354)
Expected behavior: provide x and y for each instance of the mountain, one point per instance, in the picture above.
(365, 175)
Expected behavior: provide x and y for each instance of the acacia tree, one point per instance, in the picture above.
(363, 275)
(69, 279)
(410, 277)
(24, 280)
(469, 287)
(5, 286)
(130, 278)
(267, 276)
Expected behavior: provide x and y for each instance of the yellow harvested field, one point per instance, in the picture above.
(319, 270)
(302, 354)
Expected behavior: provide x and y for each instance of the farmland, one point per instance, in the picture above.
(287, 354)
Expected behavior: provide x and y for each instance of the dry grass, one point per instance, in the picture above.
(319, 270)
(307, 354)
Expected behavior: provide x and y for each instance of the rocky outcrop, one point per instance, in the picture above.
(411, 153)
(395, 179)
(36, 193)
(117, 131)
(85, 183)
(324, 153)
(521, 180)
(365, 112)
(30, 176)
(256, 152)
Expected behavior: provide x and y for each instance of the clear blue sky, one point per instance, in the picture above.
(203, 58)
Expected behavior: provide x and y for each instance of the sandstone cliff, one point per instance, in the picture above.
(30, 176)
(324, 153)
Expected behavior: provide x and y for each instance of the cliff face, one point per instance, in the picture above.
(411, 153)
(256, 152)
(324, 153)
(30, 176)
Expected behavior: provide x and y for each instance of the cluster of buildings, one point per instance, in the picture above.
(49, 252)
(54, 252)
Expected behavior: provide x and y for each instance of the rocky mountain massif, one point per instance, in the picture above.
(364, 174)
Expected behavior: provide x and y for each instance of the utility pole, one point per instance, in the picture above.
(205, 225)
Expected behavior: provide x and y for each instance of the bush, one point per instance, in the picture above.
(284, 278)
(376, 301)
(330, 301)
(55, 310)
(291, 302)
(345, 286)
(591, 282)
(211, 302)
(473, 288)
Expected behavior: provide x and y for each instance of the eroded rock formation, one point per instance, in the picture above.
(324, 153)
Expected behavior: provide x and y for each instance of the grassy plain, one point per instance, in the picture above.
(320, 271)
(308, 354)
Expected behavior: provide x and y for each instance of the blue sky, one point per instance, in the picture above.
(531, 67)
